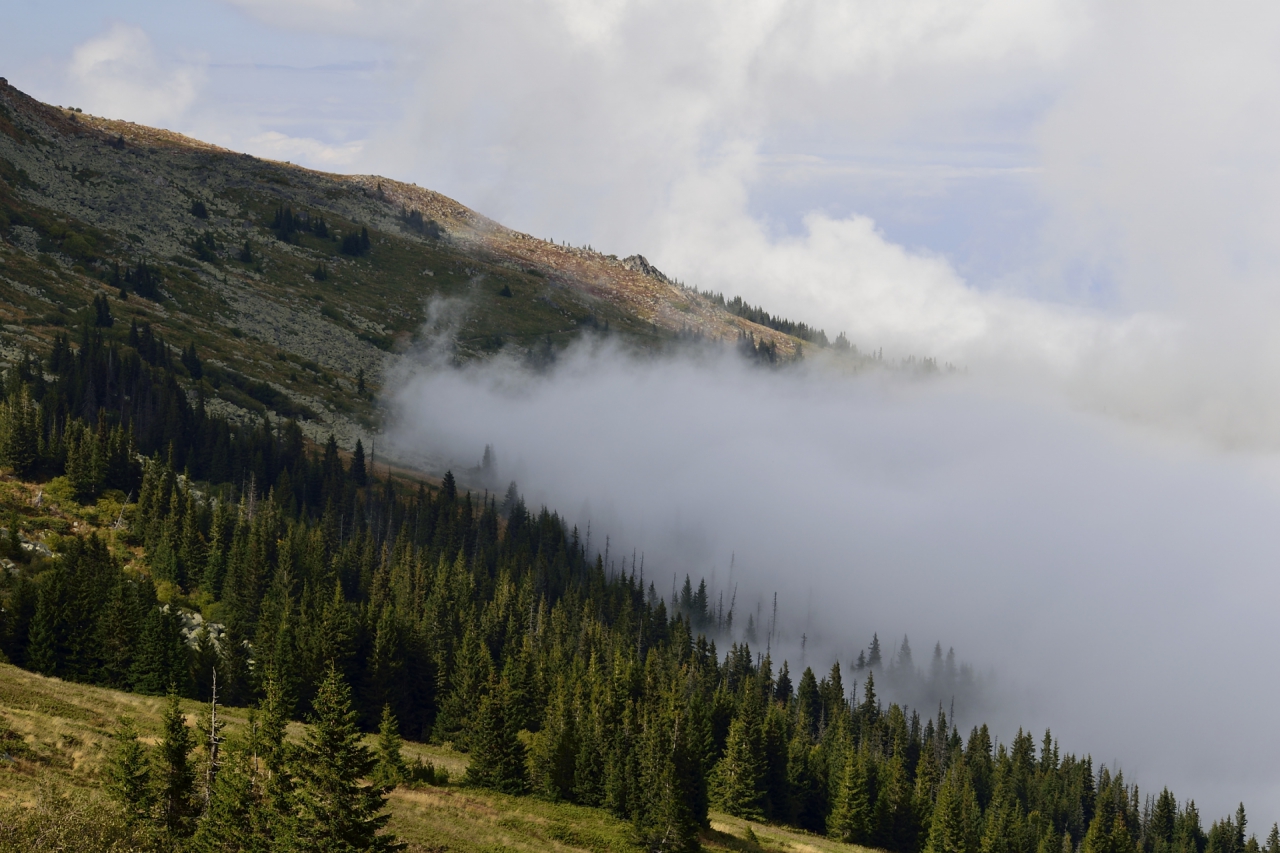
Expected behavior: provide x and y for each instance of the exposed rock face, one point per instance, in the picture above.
(640, 264)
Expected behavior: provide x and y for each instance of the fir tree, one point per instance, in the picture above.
(337, 812)
(358, 474)
(174, 776)
(956, 819)
(128, 775)
(735, 781)
(389, 771)
(497, 755)
(226, 826)
(851, 819)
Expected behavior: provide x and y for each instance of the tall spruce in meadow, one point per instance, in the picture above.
(590, 768)
(128, 773)
(808, 703)
(469, 679)
(337, 812)
(46, 642)
(20, 436)
(554, 752)
(1164, 819)
(274, 813)
(497, 755)
(1005, 831)
(116, 632)
(389, 770)
(1107, 831)
(175, 777)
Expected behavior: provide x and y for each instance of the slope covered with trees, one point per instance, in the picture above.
(327, 592)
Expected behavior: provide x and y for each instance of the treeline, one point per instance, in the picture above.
(498, 630)
(745, 310)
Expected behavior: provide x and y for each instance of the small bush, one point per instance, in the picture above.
(422, 774)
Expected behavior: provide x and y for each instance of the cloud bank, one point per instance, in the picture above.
(1119, 587)
(119, 74)
(1135, 138)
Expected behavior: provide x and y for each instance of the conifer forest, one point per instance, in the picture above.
(308, 585)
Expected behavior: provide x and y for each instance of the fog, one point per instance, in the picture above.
(1111, 584)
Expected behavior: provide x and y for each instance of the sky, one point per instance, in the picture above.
(1076, 202)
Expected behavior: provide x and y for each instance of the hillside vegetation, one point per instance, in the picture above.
(297, 288)
(294, 574)
(58, 739)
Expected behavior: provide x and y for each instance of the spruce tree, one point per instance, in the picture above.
(174, 776)
(226, 826)
(956, 819)
(389, 771)
(736, 778)
(274, 813)
(337, 812)
(665, 815)
(359, 475)
(497, 756)
(851, 819)
(128, 775)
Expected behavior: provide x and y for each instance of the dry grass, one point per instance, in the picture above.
(60, 732)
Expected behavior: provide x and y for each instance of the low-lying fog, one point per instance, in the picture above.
(1113, 585)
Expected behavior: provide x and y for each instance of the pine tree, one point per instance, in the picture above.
(850, 818)
(129, 775)
(227, 826)
(337, 812)
(735, 781)
(274, 814)
(161, 660)
(956, 818)
(665, 815)
(358, 474)
(873, 656)
(175, 777)
(497, 756)
(389, 771)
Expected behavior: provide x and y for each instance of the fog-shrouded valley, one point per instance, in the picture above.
(825, 431)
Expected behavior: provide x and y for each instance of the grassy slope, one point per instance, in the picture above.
(53, 730)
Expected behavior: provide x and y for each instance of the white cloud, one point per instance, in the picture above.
(1050, 545)
(118, 74)
(278, 146)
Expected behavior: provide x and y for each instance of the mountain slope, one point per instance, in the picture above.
(269, 295)
(59, 732)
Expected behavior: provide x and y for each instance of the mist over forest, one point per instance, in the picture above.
(1095, 577)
